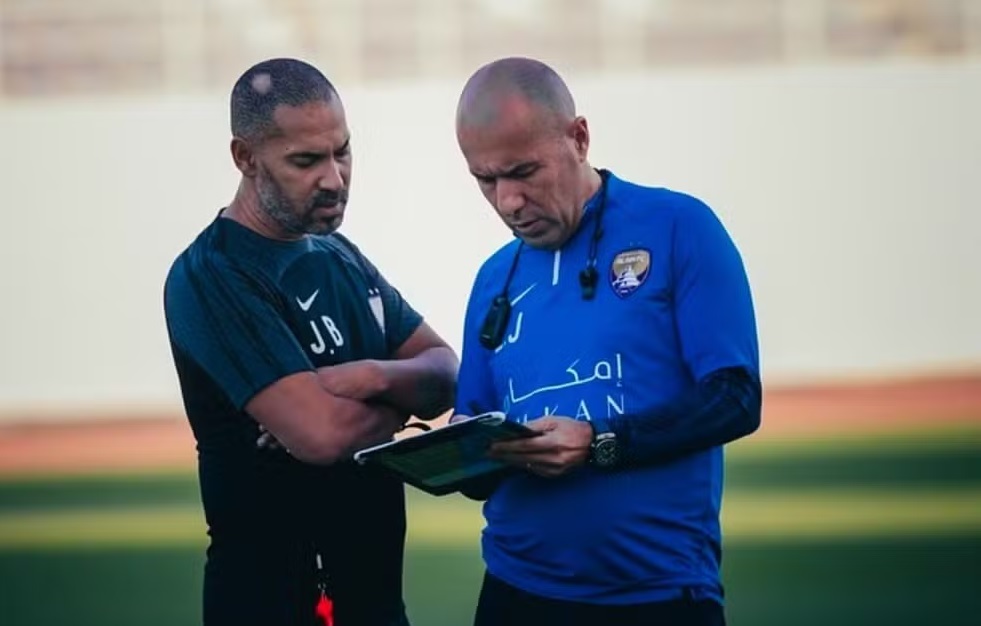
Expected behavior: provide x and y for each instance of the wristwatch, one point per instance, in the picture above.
(604, 451)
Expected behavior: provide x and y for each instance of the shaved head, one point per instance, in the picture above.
(526, 147)
(270, 84)
(291, 143)
(514, 81)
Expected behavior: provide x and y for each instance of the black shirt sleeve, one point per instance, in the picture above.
(724, 406)
(229, 324)
(400, 319)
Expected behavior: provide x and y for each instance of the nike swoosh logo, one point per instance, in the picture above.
(306, 304)
(521, 295)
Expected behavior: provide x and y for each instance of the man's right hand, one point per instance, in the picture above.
(562, 445)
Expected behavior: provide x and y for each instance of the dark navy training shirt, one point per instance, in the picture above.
(672, 304)
(243, 311)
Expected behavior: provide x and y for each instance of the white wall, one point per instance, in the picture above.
(853, 192)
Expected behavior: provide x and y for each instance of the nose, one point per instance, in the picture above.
(331, 177)
(510, 199)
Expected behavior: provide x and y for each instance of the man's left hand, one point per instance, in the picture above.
(561, 446)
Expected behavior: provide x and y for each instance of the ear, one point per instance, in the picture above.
(579, 132)
(244, 157)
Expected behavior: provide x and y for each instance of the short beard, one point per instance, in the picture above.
(278, 207)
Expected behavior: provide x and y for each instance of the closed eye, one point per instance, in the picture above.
(305, 160)
(522, 171)
(518, 172)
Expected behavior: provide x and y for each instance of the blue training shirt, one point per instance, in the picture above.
(672, 304)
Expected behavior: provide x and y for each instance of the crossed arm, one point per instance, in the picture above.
(324, 416)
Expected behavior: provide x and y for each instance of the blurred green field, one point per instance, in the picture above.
(832, 531)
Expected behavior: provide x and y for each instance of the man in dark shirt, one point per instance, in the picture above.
(278, 324)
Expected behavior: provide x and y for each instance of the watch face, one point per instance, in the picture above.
(605, 452)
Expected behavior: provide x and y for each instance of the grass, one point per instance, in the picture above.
(757, 517)
(904, 581)
(819, 532)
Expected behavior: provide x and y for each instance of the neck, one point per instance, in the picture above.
(591, 184)
(246, 210)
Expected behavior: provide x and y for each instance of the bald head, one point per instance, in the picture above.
(514, 81)
(527, 149)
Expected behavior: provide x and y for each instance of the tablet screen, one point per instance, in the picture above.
(443, 457)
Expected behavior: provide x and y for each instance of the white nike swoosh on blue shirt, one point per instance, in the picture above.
(521, 295)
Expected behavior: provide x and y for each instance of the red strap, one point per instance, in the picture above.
(325, 609)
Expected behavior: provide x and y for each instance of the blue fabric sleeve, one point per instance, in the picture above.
(228, 323)
(475, 389)
(714, 313)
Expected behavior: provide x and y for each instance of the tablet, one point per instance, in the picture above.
(442, 460)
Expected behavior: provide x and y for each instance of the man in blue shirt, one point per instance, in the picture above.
(279, 324)
(619, 324)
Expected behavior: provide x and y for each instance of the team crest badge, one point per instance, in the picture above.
(629, 271)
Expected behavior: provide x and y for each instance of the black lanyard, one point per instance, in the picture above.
(498, 315)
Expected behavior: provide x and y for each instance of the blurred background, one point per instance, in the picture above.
(839, 141)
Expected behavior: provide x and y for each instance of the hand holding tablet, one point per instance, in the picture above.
(443, 460)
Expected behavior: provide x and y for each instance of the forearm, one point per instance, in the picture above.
(424, 385)
(375, 423)
(724, 406)
(346, 427)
